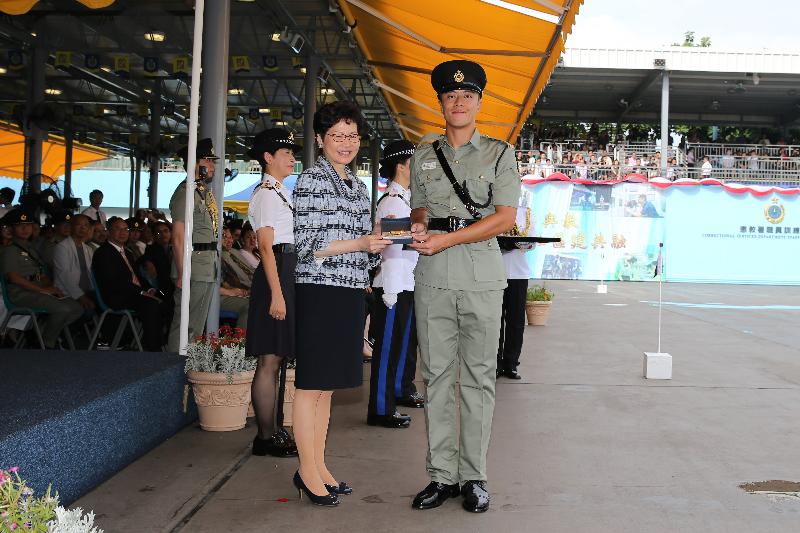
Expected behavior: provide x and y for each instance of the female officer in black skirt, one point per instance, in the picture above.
(336, 247)
(270, 323)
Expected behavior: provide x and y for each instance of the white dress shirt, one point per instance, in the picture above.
(92, 213)
(397, 265)
(516, 262)
(268, 209)
(67, 267)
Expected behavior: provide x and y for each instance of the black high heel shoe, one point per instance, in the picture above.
(342, 488)
(329, 500)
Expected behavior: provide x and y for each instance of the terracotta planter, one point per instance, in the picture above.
(222, 406)
(537, 313)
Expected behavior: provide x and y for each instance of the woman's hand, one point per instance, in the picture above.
(373, 244)
(277, 309)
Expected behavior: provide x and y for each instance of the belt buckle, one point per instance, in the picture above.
(452, 224)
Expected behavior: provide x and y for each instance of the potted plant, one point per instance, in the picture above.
(537, 305)
(221, 376)
(21, 510)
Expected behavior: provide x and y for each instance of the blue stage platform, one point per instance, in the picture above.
(73, 419)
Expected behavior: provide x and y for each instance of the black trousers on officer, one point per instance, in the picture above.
(394, 356)
(512, 324)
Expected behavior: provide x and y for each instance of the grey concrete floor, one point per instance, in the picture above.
(582, 443)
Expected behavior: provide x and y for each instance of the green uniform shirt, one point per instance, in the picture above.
(204, 263)
(481, 162)
(20, 257)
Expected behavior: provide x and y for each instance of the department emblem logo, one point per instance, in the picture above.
(291, 136)
(775, 212)
(458, 77)
(23, 217)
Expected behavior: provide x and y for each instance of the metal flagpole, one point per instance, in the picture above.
(660, 270)
(197, 50)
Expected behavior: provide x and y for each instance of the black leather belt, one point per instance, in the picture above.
(449, 224)
(204, 246)
(284, 248)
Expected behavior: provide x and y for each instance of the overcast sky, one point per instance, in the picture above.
(772, 25)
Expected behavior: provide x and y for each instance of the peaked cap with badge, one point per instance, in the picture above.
(269, 141)
(18, 215)
(134, 223)
(204, 150)
(458, 74)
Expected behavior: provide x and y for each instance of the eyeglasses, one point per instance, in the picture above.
(341, 137)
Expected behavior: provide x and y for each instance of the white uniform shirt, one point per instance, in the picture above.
(397, 265)
(516, 262)
(93, 214)
(268, 209)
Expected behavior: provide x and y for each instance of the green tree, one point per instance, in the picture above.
(688, 41)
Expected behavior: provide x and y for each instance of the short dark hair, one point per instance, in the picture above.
(331, 114)
(8, 192)
(111, 220)
(388, 170)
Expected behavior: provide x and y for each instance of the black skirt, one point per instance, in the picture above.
(266, 335)
(330, 337)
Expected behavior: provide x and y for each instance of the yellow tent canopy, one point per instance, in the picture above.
(20, 7)
(518, 44)
(12, 154)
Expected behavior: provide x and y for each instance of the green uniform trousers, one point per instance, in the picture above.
(60, 313)
(238, 305)
(458, 334)
(199, 300)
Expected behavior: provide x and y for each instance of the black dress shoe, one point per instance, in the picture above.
(499, 373)
(476, 496)
(280, 444)
(414, 400)
(512, 374)
(395, 420)
(434, 495)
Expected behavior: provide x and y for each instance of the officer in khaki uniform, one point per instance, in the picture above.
(204, 244)
(459, 282)
(28, 283)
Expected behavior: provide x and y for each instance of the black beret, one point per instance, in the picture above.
(269, 141)
(205, 150)
(458, 74)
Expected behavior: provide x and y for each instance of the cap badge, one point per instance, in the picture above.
(23, 217)
(291, 136)
(458, 77)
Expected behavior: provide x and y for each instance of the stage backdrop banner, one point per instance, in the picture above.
(710, 233)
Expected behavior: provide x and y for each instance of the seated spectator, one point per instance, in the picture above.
(61, 230)
(6, 234)
(237, 272)
(249, 251)
(547, 168)
(581, 169)
(28, 282)
(122, 288)
(235, 226)
(93, 211)
(135, 244)
(156, 265)
(99, 235)
(7, 195)
(72, 260)
(234, 292)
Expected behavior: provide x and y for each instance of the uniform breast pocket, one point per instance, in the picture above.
(488, 265)
(481, 188)
(437, 190)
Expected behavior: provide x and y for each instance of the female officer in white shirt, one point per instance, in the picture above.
(394, 359)
(270, 323)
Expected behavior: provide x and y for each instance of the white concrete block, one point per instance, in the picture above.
(602, 289)
(657, 365)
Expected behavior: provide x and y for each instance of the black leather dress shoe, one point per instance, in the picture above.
(434, 495)
(476, 496)
(281, 444)
(415, 401)
(395, 420)
(512, 374)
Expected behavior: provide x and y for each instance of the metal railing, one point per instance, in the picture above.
(787, 178)
(762, 150)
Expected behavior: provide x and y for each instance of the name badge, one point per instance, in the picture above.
(428, 165)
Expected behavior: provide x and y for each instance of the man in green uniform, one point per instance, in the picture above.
(204, 244)
(28, 283)
(459, 283)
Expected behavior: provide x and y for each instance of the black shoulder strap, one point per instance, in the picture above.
(497, 165)
(460, 192)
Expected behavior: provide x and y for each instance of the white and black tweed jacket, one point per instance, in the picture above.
(328, 210)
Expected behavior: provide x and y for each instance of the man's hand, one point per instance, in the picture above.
(151, 293)
(86, 302)
(419, 232)
(432, 244)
